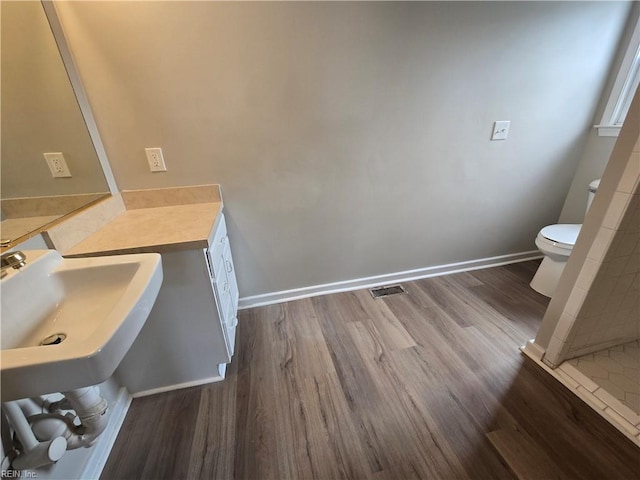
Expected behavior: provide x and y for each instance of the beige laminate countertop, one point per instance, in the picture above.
(156, 229)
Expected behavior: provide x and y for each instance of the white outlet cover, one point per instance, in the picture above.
(57, 165)
(500, 129)
(155, 159)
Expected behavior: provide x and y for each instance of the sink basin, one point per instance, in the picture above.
(87, 311)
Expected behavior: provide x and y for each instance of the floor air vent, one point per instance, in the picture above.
(386, 291)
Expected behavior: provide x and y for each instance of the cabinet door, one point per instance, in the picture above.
(184, 340)
(231, 312)
(224, 282)
(230, 272)
(218, 244)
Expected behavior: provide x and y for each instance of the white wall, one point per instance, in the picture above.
(351, 139)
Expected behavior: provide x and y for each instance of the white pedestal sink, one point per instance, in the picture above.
(97, 306)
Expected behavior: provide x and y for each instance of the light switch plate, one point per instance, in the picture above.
(500, 129)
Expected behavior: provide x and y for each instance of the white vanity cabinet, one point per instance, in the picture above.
(189, 336)
(223, 281)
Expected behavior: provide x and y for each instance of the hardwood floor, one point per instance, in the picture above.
(419, 386)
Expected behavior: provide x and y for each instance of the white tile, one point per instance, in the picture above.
(629, 385)
(593, 401)
(630, 175)
(604, 286)
(622, 318)
(625, 412)
(630, 300)
(565, 323)
(581, 340)
(566, 380)
(627, 245)
(621, 421)
(632, 373)
(553, 351)
(573, 333)
(595, 303)
(586, 323)
(632, 400)
(606, 397)
(630, 330)
(578, 376)
(601, 244)
(623, 284)
(611, 365)
(574, 303)
(588, 384)
(615, 267)
(631, 220)
(593, 370)
(588, 273)
(632, 264)
(615, 211)
(613, 305)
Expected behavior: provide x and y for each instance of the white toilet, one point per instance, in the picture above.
(556, 243)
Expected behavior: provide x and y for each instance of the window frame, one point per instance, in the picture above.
(623, 89)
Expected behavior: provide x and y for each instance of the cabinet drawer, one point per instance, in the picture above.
(223, 291)
(220, 241)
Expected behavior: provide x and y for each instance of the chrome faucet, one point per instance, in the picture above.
(15, 260)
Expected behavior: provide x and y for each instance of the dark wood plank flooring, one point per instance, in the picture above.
(416, 386)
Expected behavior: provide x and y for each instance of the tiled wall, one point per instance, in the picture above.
(610, 314)
(603, 308)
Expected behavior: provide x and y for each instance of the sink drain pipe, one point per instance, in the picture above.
(93, 412)
(34, 452)
(44, 437)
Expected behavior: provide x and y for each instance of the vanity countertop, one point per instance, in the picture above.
(159, 220)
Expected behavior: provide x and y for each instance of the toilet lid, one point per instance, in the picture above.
(564, 233)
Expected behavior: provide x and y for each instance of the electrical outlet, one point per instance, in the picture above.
(500, 129)
(57, 165)
(155, 159)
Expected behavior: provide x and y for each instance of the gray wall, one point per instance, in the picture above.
(597, 149)
(39, 112)
(352, 139)
(591, 166)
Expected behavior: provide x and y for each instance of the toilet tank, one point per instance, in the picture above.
(593, 188)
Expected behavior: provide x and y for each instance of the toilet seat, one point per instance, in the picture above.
(557, 241)
(562, 235)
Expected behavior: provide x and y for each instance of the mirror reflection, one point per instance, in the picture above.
(40, 115)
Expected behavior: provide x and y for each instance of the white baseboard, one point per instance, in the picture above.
(378, 280)
(178, 386)
(102, 448)
(533, 350)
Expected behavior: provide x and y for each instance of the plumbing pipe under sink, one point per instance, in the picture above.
(44, 437)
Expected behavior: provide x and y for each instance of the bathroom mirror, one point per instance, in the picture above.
(43, 110)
